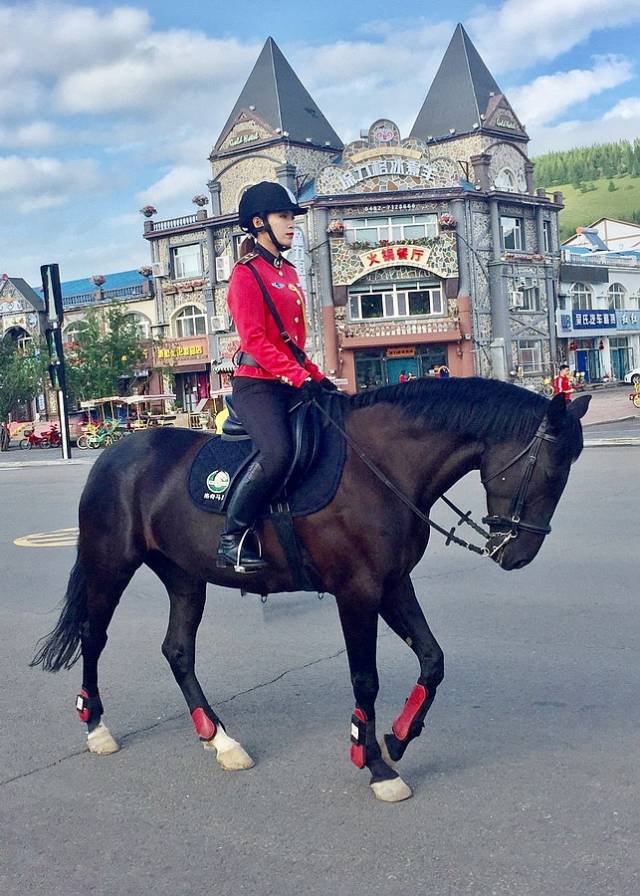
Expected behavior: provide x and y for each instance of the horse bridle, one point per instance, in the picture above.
(514, 522)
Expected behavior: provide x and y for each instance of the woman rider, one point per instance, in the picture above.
(272, 371)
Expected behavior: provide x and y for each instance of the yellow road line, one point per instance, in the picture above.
(59, 538)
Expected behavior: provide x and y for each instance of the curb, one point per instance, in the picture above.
(26, 464)
(613, 443)
(613, 420)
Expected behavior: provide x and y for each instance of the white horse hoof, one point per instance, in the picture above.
(231, 755)
(235, 759)
(393, 791)
(101, 742)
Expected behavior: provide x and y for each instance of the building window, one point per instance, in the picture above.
(187, 261)
(546, 236)
(581, 296)
(616, 295)
(529, 354)
(142, 324)
(524, 294)
(634, 301)
(506, 181)
(396, 301)
(511, 229)
(394, 229)
(190, 321)
(74, 332)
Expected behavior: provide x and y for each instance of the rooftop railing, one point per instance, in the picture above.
(606, 259)
(121, 294)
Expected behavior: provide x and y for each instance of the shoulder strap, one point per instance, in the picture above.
(297, 352)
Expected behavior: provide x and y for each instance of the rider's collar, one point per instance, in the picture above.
(275, 260)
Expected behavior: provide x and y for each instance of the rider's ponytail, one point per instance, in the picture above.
(247, 245)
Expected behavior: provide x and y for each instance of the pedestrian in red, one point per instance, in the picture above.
(266, 302)
(562, 383)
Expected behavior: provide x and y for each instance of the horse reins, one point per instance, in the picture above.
(513, 522)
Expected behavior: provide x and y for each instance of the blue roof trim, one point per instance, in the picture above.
(119, 280)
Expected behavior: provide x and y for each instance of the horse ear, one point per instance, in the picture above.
(578, 407)
(556, 411)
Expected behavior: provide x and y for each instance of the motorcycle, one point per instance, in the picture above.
(52, 435)
(31, 440)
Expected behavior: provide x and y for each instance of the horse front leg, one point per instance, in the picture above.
(359, 619)
(187, 598)
(402, 613)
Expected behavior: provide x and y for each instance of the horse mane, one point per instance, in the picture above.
(471, 406)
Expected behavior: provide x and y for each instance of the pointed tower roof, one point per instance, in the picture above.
(464, 97)
(275, 96)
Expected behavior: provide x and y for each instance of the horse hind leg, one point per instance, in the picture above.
(187, 598)
(402, 613)
(103, 595)
(81, 630)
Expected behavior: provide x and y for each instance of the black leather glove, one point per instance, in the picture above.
(310, 390)
(326, 385)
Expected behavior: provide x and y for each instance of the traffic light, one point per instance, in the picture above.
(54, 376)
(52, 291)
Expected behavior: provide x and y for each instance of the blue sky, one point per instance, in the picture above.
(107, 106)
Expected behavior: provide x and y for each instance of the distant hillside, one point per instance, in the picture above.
(595, 199)
(596, 181)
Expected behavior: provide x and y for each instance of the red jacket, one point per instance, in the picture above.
(562, 386)
(259, 334)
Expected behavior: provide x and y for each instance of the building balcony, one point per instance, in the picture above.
(137, 292)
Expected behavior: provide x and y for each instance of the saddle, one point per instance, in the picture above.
(306, 428)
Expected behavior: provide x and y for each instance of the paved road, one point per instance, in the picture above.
(526, 782)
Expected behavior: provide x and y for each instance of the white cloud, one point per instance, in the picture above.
(626, 110)
(180, 183)
(522, 32)
(549, 96)
(34, 134)
(155, 72)
(49, 38)
(38, 182)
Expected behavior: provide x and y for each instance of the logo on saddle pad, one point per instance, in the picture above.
(218, 481)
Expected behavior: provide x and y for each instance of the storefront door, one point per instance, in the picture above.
(397, 366)
(588, 362)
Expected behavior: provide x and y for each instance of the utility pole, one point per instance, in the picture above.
(53, 306)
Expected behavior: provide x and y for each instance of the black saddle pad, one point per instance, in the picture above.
(219, 462)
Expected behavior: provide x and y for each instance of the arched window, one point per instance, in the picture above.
(616, 294)
(74, 332)
(142, 323)
(581, 296)
(506, 181)
(190, 321)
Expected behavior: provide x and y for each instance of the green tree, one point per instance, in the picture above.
(107, 352)
(21, 374)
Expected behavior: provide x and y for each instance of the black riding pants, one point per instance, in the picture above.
(263, 407)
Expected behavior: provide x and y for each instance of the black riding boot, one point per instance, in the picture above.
(243, 508)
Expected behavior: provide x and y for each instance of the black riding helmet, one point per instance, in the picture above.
(262, 199)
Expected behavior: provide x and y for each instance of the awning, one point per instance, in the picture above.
(226, 365)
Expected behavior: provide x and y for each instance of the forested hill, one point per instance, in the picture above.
(575, 166)
(596, 182)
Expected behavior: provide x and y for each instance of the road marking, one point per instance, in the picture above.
(59, 538)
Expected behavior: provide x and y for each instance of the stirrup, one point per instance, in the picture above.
(223, 562)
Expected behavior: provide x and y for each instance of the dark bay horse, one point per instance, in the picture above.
(424, 436)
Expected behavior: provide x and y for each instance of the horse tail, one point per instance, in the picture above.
(60, 649)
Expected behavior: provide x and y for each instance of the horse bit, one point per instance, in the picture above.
(513, 522)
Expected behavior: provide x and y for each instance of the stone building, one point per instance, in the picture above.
(22, 322)
(598, 314)
(419, 251)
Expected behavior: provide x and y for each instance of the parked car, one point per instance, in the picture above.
(633, 376)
